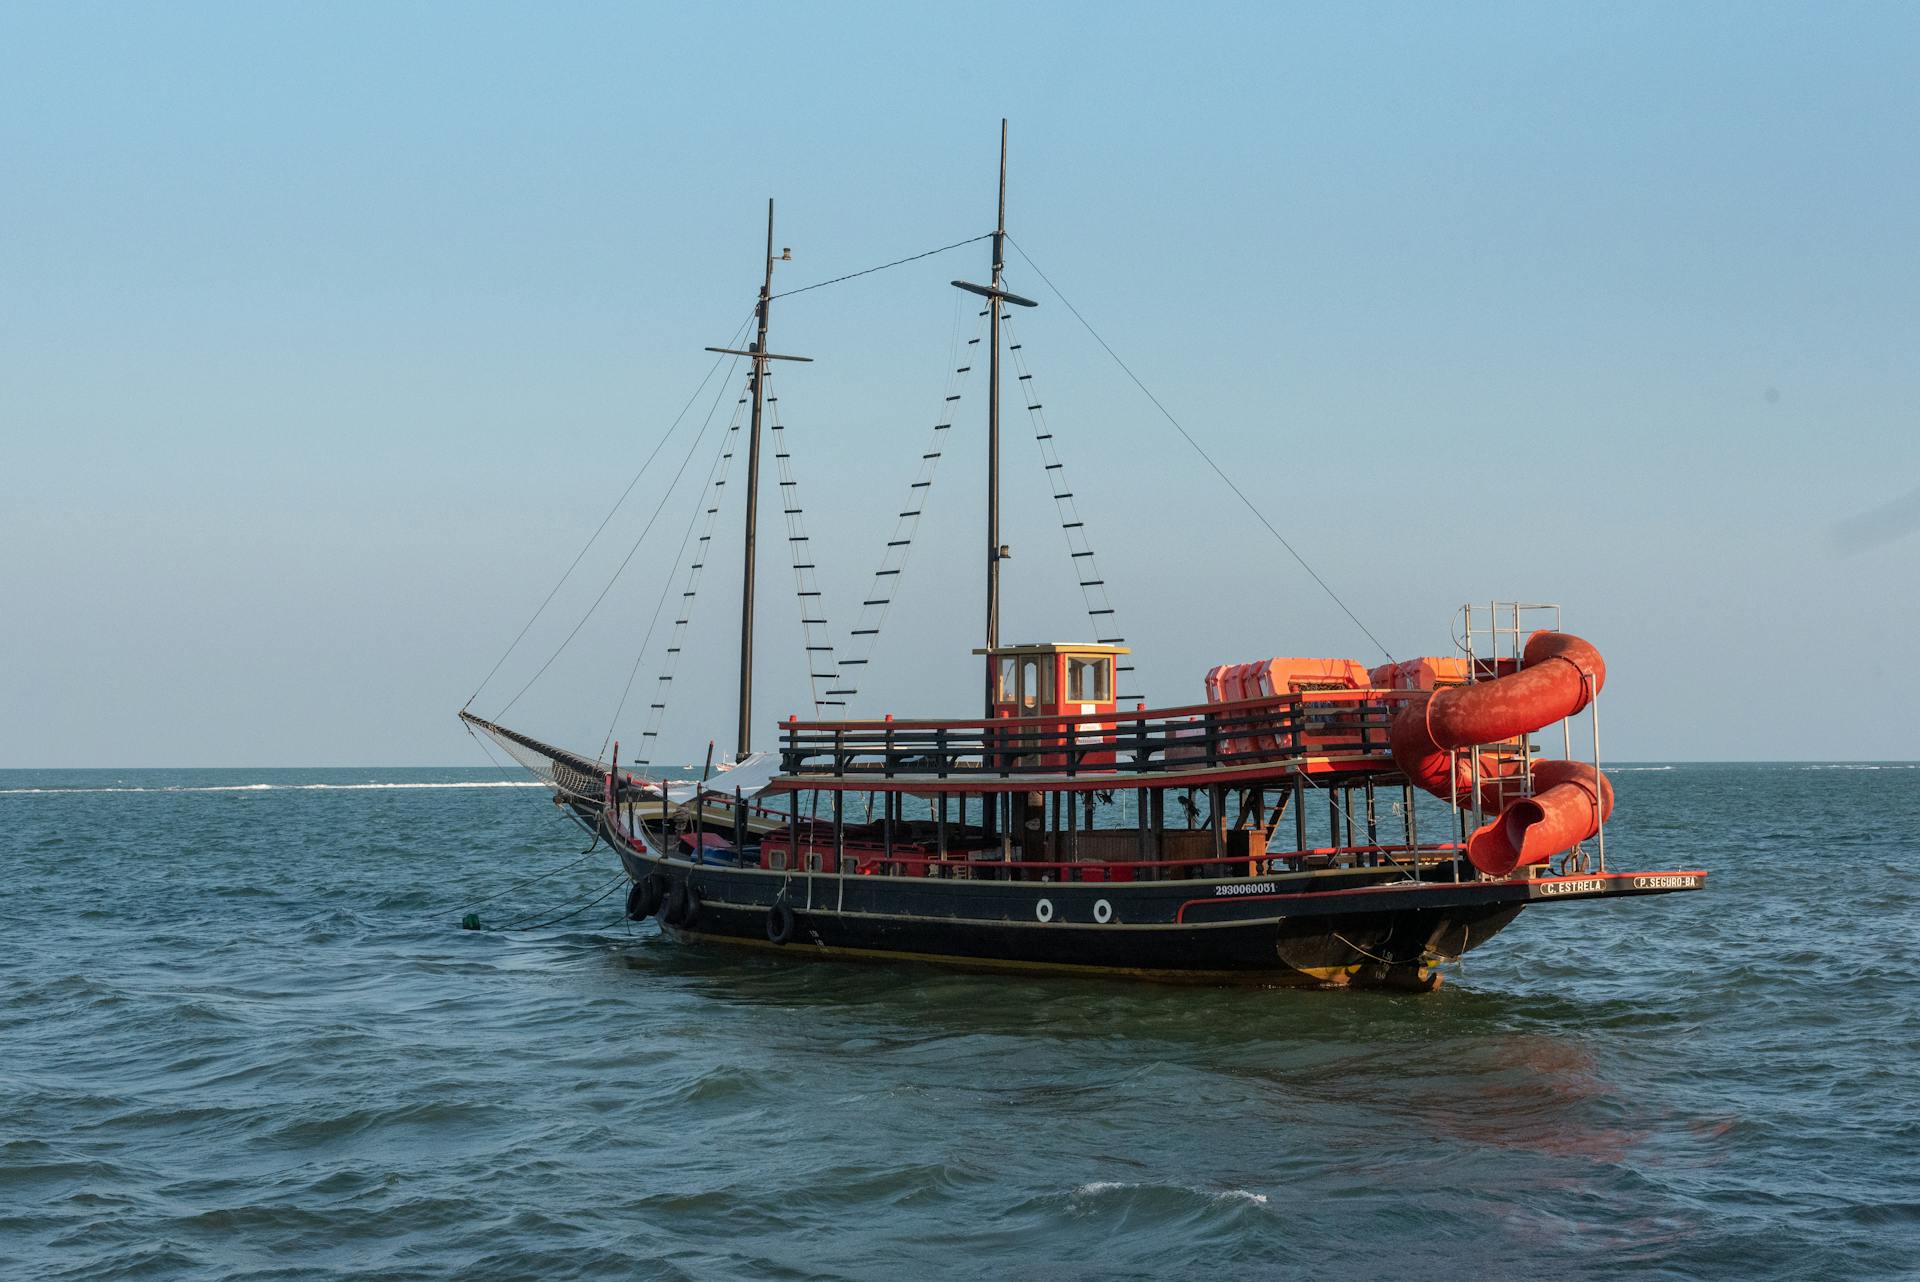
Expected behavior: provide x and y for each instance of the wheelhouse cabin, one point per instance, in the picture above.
(1058, 679)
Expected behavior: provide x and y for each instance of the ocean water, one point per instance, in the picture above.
(243, 1037)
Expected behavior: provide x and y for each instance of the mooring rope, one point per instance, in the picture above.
(1386, 961)
(520, 923)
(518, 885)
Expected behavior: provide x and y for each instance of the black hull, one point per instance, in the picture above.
(1339, 932)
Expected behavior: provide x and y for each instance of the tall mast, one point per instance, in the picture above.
(993, 413)
(995, 296)
(758, 351)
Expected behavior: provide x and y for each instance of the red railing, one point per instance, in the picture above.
(1277, 730)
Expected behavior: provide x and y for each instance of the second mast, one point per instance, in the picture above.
(760, 355)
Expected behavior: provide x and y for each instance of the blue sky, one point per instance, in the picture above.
(329, 333)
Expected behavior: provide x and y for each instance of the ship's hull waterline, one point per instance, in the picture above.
(1359, 928)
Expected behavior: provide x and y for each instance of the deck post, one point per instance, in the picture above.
(1299, 810)
(1373, 817)
(839, 829)
(1158, 797)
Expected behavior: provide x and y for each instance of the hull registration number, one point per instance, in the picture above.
(1585, 886)
(1666, 881)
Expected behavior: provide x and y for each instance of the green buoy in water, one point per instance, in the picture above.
(470, 922)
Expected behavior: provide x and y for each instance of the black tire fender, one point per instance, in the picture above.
(683, 905)
(780, 923)
(643, 901)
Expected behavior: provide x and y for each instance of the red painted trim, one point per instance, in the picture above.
(1246, 775)
(1179, 916)
(1231, 707)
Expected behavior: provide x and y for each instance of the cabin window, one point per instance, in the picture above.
(1033, 683)
(1089, 680)
(1009, 676)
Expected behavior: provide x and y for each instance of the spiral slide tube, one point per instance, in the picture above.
(1559, 675)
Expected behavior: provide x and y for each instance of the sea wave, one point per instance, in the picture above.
(1861, 765)
(1096, 1188)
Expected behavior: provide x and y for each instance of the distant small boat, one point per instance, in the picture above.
(1058, 832)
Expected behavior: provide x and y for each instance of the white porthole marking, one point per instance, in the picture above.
(1102, 911)
(1044, 910)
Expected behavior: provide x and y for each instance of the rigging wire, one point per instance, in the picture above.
(1086, 570)
(878, 603)
(709, 497)
(1201, 451)
(621, 568)
(806, 582)
(690, 587)
(591, 539)
(912, 258)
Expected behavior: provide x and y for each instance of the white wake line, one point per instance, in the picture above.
(277, 787)
(1098, 1187)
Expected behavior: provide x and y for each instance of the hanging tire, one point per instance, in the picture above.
(644, 900)
(683, 905)
(780, 923)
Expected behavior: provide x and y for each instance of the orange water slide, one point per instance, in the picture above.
(1559, 675)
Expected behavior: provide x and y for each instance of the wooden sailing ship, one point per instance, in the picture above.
(1313, 821)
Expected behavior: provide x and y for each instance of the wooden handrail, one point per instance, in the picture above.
(1189, 711)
